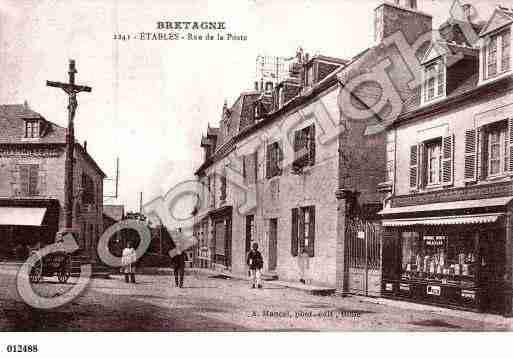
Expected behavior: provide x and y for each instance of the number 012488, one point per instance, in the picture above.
(19, 348)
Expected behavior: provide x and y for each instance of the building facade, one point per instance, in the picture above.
(297, 172)
(32, 156)
(448, 216)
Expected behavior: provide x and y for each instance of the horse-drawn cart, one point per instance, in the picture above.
(56, 263)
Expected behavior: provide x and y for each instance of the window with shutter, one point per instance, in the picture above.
(413, 166)
(294, 233)
(275, 157)
(447, 160)
(304, 147)
(496, 143)
(470, 173)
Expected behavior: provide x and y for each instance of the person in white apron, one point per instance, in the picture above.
(128, 260)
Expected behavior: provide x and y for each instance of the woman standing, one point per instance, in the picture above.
(128, 260)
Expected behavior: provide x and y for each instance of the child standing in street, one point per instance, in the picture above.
(255, 262)
(128, 259)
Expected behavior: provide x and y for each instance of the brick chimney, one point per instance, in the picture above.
(403, 16)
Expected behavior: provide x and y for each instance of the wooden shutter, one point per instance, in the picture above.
(255, 166)
(311, 232)
(414, 166)
(294, 233)
(422, 165)
(470, 172)
(301, 230)
(312, 145)
(24, 180)
(447, 160)
(279, 153)
(244, 171)
(483, 153)
(268, 162)
(297, 143)
(510, 138)
(249, 220)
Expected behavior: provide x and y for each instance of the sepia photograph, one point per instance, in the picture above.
(255, 166)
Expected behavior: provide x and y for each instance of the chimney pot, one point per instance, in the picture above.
(85, 146)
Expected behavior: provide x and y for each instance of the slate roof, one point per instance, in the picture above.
(12, 128)
(469, 84)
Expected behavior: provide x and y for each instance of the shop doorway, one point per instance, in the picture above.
(273, 244)
(223, 242)
(363, 255)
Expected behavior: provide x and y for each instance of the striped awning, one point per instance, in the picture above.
(441, 221)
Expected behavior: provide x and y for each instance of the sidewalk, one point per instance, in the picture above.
(316, 290)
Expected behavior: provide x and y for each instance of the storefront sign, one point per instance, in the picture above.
(389, 287)
(405, 287)
(469, 294)
(434, 290)
(434, 240)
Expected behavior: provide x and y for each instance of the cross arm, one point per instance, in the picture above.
(68, 88)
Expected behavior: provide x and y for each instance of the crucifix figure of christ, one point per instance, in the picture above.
(72, 90)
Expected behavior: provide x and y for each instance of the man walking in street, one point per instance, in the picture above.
(178, 262)
(255, 262)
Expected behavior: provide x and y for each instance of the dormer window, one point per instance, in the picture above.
(434, 80)
(496, 54)
(32, 129)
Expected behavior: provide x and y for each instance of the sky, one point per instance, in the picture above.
(152, 100)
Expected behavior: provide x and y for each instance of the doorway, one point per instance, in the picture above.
(273, 244)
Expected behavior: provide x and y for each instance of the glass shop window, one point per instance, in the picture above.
(439, 256)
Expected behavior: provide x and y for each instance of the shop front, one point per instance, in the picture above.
(26, 225)
(453, 257)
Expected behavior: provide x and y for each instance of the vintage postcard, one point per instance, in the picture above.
(255, 166)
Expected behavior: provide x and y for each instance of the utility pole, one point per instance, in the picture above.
(140, 203)
(72, 90)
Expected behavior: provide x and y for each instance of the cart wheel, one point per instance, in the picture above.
(63, 276)
(36, 272)
(64, 273)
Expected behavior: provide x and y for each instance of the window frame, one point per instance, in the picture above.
(430, 146)
(303, 229)
(435, 80)
(501, 129)
(274, 159)
(307, 144)
(32, 129)
(501, 51)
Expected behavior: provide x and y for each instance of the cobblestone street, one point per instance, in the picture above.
(214, 304)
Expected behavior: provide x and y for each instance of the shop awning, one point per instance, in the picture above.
(444, 206)
(440, 221)
(21, 216)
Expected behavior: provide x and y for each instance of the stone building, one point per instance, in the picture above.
(292, 169)
(448, 217)
(32, 156)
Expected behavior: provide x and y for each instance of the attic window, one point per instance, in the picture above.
(32, 128)
(496, 54)
(434, 80)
